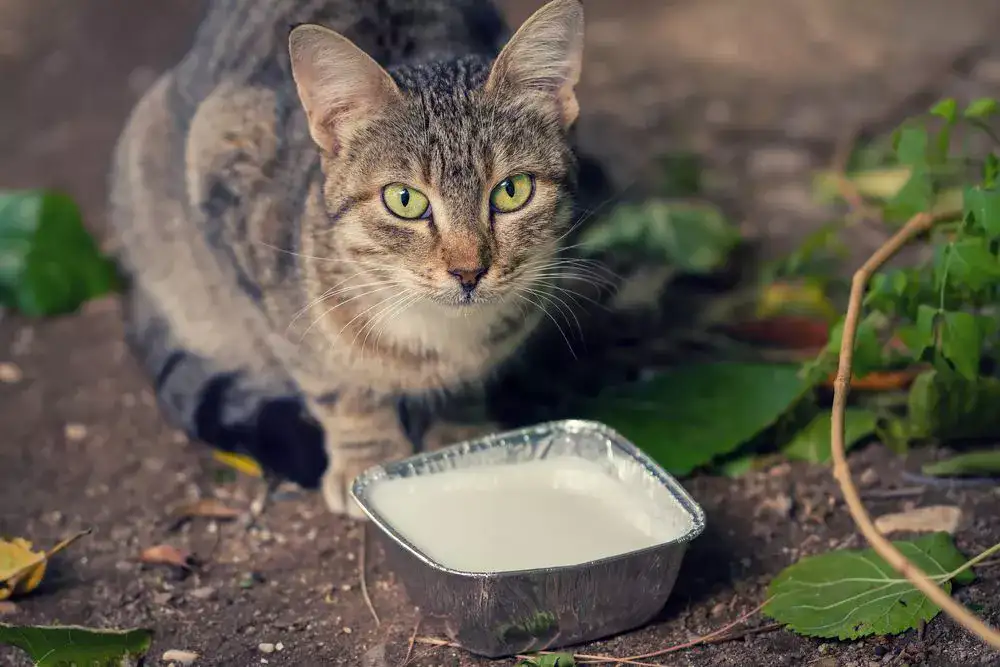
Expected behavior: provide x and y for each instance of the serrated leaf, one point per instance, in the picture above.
(947, 406)
(693, 237)
(847, 594)
(961, 342)
(675, 418)
(946, 109)
(813, 443)
(984, 207)
(981, 109)
(49, 264)
(63, 646)
(980, 463)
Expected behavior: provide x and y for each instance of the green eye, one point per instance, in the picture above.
(405, 202)
(512, 193)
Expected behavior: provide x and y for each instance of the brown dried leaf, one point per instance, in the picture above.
(208, 508)
(164, 554)
(930, 519)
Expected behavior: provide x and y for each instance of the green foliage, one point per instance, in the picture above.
(984, 462)
(49, 264)
(688, 416)
(73, 646)
(813, 442)
(848, 594)
(691, 236)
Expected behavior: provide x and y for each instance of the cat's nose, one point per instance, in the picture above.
(468, 278)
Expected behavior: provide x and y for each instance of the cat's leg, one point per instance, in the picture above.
(358, 434)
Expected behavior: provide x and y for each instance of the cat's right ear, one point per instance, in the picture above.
(339, 85)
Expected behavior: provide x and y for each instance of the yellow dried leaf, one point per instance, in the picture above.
(22, 568)
(240, 462)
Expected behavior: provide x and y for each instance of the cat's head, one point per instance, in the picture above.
(452, 179)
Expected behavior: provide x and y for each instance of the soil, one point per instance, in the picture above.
(763, 93)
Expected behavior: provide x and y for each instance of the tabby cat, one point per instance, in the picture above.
(336, 213)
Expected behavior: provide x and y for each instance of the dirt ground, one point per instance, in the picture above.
(763, 90)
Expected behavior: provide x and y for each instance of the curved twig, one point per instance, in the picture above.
(917, 225)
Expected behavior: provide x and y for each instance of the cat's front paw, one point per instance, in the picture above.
(442, 433)
(347, 461)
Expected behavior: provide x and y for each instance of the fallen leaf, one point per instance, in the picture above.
(22, 568)
(208, 508)
(984, 462)
(849, 593)
(880, 380)
(240, 462)
(164, 554)
(931, 519)
(62, 645)
(789, 332)
(687, 416)
(548, 660)
(813, 443)
(804, 298)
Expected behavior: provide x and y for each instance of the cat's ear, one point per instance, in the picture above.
(544, 57)
(338, 83)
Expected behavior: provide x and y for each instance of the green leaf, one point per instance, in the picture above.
(49, 264)
(946, 109)
(981, 109)
(867, 346)
(681, 175)
(847, 594)
(991, 171)
(961, 342)
(73, 646)
(946, 406)
(549, 660)
(693, 237)
(911, 145)
(689, 415)
(916, 196)
(979, 463)
(970, 262)
(813, 443)
(984, 207)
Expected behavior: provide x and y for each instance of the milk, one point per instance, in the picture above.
(520, 516)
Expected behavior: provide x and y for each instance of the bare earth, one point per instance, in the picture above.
(763, 89)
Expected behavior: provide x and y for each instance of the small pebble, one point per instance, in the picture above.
(180, 657)
(265, 648)
(279, 647)
(75, 432)
(10, 373)
(347, 630)
(203, 593)
(869, 477)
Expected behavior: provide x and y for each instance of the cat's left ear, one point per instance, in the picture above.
(339, 85)
(544, 57)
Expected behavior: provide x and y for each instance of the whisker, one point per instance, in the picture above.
(341, 303)
(536, 306)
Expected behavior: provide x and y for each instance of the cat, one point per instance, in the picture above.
(335, 215)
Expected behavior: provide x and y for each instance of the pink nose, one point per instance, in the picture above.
(468, 278)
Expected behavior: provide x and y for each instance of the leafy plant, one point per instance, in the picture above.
(549, 660)
(67, 646)
(49, 264)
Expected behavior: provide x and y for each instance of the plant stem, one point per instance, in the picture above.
(918, 224)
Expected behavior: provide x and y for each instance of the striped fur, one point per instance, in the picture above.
(281, 311)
